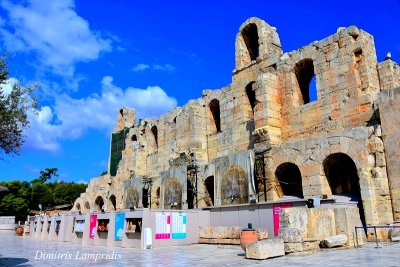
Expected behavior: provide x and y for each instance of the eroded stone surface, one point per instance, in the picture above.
(265, 249)
(334, 241)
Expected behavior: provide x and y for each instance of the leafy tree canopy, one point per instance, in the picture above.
(14, 108)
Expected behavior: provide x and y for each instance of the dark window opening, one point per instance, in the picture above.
(175, 120)
(154, 131)
(251, 96)
(121, 111)
(341, 173)
(87, 205)
(113, 202)
(190, 195)
(158, 192)
(289, 178)
(304, 71)
(145, 198)
(250, 37)
(134, 138)
(209, 183)
(78, 207)
(216, 114)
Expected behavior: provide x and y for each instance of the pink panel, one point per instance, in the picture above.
(92, 228)
(276, 211)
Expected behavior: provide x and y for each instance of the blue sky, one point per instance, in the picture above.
(91, 57)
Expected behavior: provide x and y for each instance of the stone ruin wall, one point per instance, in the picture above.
(280, 123)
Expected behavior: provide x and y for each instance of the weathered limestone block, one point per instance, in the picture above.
(265, 249)
(346, 220)
(293, 247)
(394, 234)
(220, 232)
(294, 218)
(291, 235)
(321, 223)
(311, 244)
(334, 241)
(262, 233)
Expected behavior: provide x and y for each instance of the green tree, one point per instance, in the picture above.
(14, 108)
(67, 193)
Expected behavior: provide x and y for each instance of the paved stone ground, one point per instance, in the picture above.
(21, 251)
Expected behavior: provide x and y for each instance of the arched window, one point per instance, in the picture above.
(289, 178)
(251, 97)
(209, 183)
(154, 131)
(250, 37)
(113, 202)
(216, 115)
(78, 206)
(305, 75)
(134, 138)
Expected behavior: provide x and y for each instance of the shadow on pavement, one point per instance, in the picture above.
(13, 262)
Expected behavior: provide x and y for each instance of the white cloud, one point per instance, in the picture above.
(72, 117)
(163, 67)
(54, 31)
(7, 87)
(140, 67)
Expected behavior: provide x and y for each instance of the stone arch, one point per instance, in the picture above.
(78, 206)
(173, 194)
(256, 40)
(112, 203)
(87, 206)
(132, 198)
(289, 179)
(234, 186)
(250, 37)
(342, 175)
(215, 116)
(305, 76)
(99, 203)
(277, 157)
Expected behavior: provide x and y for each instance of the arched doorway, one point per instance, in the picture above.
(209, 183)
(132, 199)
(234, 187)
(173, 195)
(99, 203)
(289, 178)
(113, 202)
(341, 173)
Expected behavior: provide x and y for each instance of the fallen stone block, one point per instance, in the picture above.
(264, 249)
(334, 241)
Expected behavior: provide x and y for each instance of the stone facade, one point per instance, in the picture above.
(262, 138)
